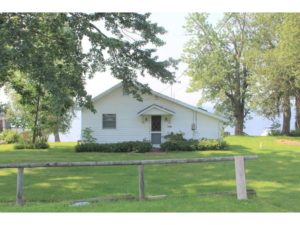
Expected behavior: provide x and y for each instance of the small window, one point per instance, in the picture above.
(109, 121)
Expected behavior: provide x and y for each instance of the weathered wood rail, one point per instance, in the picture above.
(239, 170)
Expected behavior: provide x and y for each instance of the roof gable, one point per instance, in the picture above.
(154, 109)
(178, 102)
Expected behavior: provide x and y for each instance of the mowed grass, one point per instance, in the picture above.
(274, 176)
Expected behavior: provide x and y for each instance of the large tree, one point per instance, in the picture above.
(46, 49)
(275, 66)
(49, 117)
(216, 63)
(289, 55)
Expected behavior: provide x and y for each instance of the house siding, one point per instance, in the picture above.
(131, 127)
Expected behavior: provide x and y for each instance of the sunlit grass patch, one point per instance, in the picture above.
(274, 177)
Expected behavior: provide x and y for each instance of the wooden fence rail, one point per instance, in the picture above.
(239, 170)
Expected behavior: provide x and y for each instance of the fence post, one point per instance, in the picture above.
(19, 197)
(240, 177)
(141, 182)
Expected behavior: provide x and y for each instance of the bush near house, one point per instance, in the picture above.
(128, 146)
(176, 142)
(194, 145)
(10, 136)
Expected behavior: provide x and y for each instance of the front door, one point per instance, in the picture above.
(156, 130)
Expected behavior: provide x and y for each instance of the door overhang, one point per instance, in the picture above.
(155, 110)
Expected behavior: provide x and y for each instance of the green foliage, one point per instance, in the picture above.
(50, 50)
(274, 61)
(129, 146)
(187, 145)
(10, 136)
(177, 142)
(25, 137)
(173, 137)
(211, 144)
(42, 113)
(87, 137)
(3, 107)
(277, 132)
(216, 58)
(25, 142)
(274, 132)
(295, 133)
(272, 176)
(194, 145)
(24, 146)
(43, 61)
(40, 144)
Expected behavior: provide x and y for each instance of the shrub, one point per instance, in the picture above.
(23, 146)
(226, 133)
(211, 144)
(194, 145)
(186, 145)
(10, 136)
(25, 143)
(25, 137)
(275, 133)
(175, 137)
(87, 136)
(128, 146)
(38, 145)
(41, 143)
(295, 133)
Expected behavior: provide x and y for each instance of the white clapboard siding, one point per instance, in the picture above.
(131, 127)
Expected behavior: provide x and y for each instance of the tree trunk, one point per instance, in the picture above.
(286, 115)
(35, 127)
(297, 104)
(239, 120)
(56, 137)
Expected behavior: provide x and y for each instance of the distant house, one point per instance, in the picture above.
(120, 117)
(4, 124)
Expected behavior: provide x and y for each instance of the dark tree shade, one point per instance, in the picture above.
(48, 47)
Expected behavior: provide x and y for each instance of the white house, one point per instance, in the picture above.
(120, 117)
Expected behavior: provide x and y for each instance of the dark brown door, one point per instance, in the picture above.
(156, 129)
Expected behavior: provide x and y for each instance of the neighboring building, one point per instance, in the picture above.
(120, 117)
(4, 124)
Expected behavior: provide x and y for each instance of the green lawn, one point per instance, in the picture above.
(274, 176)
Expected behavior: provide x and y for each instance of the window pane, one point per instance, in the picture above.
(109, 121)
(156, 138)
(156, 123)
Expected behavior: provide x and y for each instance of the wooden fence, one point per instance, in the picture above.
(239, 170)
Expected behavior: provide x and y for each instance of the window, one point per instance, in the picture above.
(109, 121)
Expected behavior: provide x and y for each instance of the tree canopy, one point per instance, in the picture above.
(42, 55)
(275, 65)
(216, 63)
(248, 61)
(48, 47)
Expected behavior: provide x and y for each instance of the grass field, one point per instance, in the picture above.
(274, 176)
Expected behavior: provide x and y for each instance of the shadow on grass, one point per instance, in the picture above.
(273, 176)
